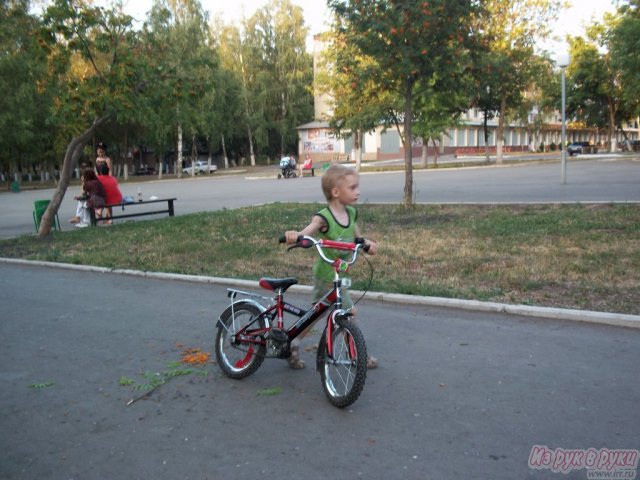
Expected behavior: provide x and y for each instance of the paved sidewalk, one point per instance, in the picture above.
(458, 394)
(604, 318)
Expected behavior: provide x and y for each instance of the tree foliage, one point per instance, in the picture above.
(411, 42)
(505, 64)
(92, 69)
(624, 45)
(598, 92)
(182, 71)
(25, 103)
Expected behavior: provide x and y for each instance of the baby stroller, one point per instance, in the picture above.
(287, 167)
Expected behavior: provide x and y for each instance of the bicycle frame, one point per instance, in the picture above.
(275, 314)
(306, 318)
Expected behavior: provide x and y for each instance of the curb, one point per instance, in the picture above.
(586, 316)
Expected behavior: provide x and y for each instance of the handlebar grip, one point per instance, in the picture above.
(303, 242)
(361, 241)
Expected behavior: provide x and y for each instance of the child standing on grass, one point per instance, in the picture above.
(337, 221)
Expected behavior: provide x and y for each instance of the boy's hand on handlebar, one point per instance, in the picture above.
(373, 247)
(291, 237)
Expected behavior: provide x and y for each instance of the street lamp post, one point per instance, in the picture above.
(563, 61)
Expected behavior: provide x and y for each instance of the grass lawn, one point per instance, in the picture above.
(570, 256)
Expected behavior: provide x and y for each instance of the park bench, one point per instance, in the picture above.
(339, 157)
(124, 206)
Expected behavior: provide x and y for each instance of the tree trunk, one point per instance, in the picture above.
(194, 155)
(612, 130)
(425, 153)
(435, 152)
(74, 150)
(52, 174)
(123, 157)
(486, 136)
(500, 130)
(283, 112)
(179, 152)
(224, 152)
(252, 155)
(408, 144)
(357, 149)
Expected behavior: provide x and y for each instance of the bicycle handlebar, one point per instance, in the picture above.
(308, 242)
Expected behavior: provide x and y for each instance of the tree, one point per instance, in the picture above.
(509, 30)
(26, 97)
(439, 103)
(409, 41)
(623, 46)
(350, 78)
(596, 90)
(184, 69)
(282, 71)
(542, 99)
(235, 55)
(92, 66)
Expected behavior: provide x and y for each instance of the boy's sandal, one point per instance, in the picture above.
(294, 360)
(372, 362)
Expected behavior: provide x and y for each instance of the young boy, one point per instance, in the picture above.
(337, 221)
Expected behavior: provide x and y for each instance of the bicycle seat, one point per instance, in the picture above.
(277, 283)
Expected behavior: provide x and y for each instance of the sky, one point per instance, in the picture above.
(317, 16)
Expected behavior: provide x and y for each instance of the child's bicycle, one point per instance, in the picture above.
(249, 331)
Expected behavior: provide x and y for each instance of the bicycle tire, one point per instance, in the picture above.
(344, 375)
(239, 360)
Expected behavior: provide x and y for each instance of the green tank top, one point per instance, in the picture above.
(337, 232)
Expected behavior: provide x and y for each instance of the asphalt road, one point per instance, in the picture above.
(603, 179)
(458, 394)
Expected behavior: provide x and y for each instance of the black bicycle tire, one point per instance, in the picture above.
(257, 357)
(360, 371)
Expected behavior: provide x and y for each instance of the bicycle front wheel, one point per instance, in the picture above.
(240, 355)
(344, 372)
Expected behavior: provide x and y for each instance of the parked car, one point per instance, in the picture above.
(580, 147)
(146, 170)
(631, 145)
(200, 168)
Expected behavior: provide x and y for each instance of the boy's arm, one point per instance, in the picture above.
(317, 223)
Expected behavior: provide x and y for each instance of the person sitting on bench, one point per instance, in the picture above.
(113, 195)
(307, 165)
(92, 197)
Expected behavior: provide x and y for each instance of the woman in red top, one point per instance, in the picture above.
(111, 189)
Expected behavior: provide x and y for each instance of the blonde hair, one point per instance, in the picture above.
(333, 176)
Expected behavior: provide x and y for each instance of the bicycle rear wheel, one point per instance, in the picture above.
(236, 357)
(343, 373)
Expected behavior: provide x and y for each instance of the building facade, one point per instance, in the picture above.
(321, 143)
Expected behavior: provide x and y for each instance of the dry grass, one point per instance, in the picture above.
(571, 256)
